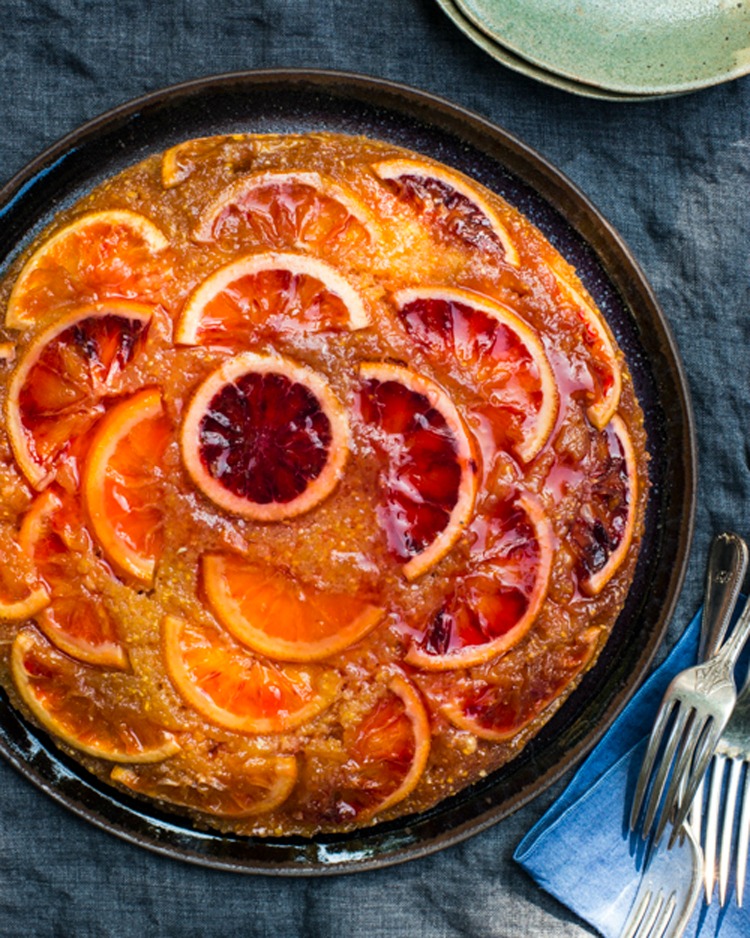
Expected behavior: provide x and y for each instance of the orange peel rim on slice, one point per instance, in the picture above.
(472, 655)
(25, 640)
(417, 714)
(296, 264)
(466, 456)
(532, 445)
(151, 234)
(318, 489)
(170, 173)
(286, 777)
(335, 191)
(109, 655)
(594, 584)
(393, 169)
(601, 411)
(172, 628)
(111, 429)
(227, 610)
(34, 472)
(463, 722)
(31, 605)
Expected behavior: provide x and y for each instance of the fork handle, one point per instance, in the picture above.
(727, 564)
(732, 647)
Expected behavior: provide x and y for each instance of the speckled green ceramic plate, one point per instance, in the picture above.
(632, 47)
(524, 67)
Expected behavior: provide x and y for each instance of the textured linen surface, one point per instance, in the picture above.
(581, 850)
(671, 176)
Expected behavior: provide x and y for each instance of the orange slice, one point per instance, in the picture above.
(495, 604)
(605, 523)
(265, 437)
(498, 711)
(123, 483)
(487, 345)
(90, 710)
(12, 610)
(237, 690)
(22, 595)
(227, 785)
(450, 204)
(58, 388)
(303, 210)
(235, 151)
(76, 619)
(99, 255)
(270, 293)
(385, 753)
(604, 367)
(430, 480)
(278, 615)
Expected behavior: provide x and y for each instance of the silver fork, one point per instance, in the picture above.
(727, 565)
(668, 890)
(693, 714)
(732, 754)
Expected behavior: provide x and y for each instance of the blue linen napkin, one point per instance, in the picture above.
(581, 852)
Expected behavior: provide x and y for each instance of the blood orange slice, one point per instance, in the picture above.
(430, 480)
(22, 595)
(114, 253)
(75, 702)
(226, 784)
(265, 437)
(385, 753)
(57, 391)
(499, 711)
(123, 483)
(495, 604)
(604, 526)
(236, 153)
(604, 366)
(278, 615)
(303, 210)
(233, 688)
(450, 204)
(76, 619)
(476, 338)
(272, 294)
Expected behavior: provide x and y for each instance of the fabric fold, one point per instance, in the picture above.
(581, 851)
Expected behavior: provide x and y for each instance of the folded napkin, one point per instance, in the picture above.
(581, 851)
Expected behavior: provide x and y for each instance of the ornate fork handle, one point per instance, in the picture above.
(727, 564)
(726, 659)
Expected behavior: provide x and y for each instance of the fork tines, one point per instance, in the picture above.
(686, 744)
(727, 825)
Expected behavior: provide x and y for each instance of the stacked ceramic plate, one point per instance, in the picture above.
(609, 49)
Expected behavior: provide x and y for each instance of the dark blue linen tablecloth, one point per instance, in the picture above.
(672, 176)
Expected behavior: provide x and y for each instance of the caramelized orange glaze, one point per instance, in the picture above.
(380, 511)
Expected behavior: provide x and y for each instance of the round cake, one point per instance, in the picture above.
(322, 482)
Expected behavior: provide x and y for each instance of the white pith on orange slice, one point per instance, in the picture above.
(265, 437)
(491, 345)
(451, 201)
(56, 392)
(431, 462)
(278, 615)
(235, 688)
(98, 255)
(122, 483)
(60, 693)
(280, 291)
(303, 210)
